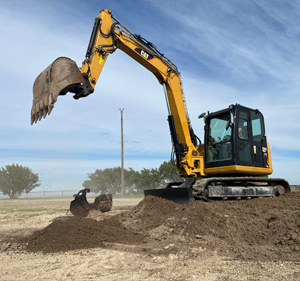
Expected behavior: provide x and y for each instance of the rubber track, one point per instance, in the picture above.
(200, 185)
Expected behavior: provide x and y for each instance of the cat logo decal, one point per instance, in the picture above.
(144, 54)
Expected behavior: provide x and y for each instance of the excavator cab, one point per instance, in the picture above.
(236, 137)
(236, 162)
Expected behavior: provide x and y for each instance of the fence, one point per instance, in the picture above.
(46, 193)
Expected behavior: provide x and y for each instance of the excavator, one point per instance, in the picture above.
(233, 162)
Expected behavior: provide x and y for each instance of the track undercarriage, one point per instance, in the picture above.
(221, 188)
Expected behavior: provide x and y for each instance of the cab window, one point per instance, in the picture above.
(219, 141)
(243, 126)
(257, 126)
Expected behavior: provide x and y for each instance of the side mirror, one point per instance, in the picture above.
(201, 115)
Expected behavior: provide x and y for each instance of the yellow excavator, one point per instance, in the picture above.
(234, 161)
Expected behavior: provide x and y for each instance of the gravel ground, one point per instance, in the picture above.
(171, 242)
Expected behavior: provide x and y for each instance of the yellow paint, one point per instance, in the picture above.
(238, 170)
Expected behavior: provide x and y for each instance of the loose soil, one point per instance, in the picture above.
(156, 239)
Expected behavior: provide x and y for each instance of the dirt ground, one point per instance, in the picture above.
(152, 239)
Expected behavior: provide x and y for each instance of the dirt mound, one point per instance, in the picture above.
(80, 233)
(258, 229)
(264, 229)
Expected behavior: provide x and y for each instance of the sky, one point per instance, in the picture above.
(228, 52)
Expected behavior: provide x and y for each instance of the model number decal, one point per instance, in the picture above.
(144, 54)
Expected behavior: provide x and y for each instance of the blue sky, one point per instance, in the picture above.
(228, 52)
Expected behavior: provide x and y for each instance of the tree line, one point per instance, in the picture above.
(16, 179)
(109, 180)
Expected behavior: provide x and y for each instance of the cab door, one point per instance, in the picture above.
(244, 152)
(259, 140)
(251, 142)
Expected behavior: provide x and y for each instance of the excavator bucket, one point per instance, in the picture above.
(81, 208)
(58, 78)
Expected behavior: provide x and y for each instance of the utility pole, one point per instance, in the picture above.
(122, 154)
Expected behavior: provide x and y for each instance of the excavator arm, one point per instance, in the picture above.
(108, 35)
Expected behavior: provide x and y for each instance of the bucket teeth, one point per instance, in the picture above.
(50, 107)
(58, 78)
(40, 115)
(45, 111)
(34, 119)
(41, 108)
(51, 100)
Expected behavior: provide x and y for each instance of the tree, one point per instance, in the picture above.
(109, 180)
(169, 172)
(16, 179)
(104, 181)
(146, 179)
(131, 179)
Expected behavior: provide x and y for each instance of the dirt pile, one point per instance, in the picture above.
(258, 229)
(80, 233)
(264, 229)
